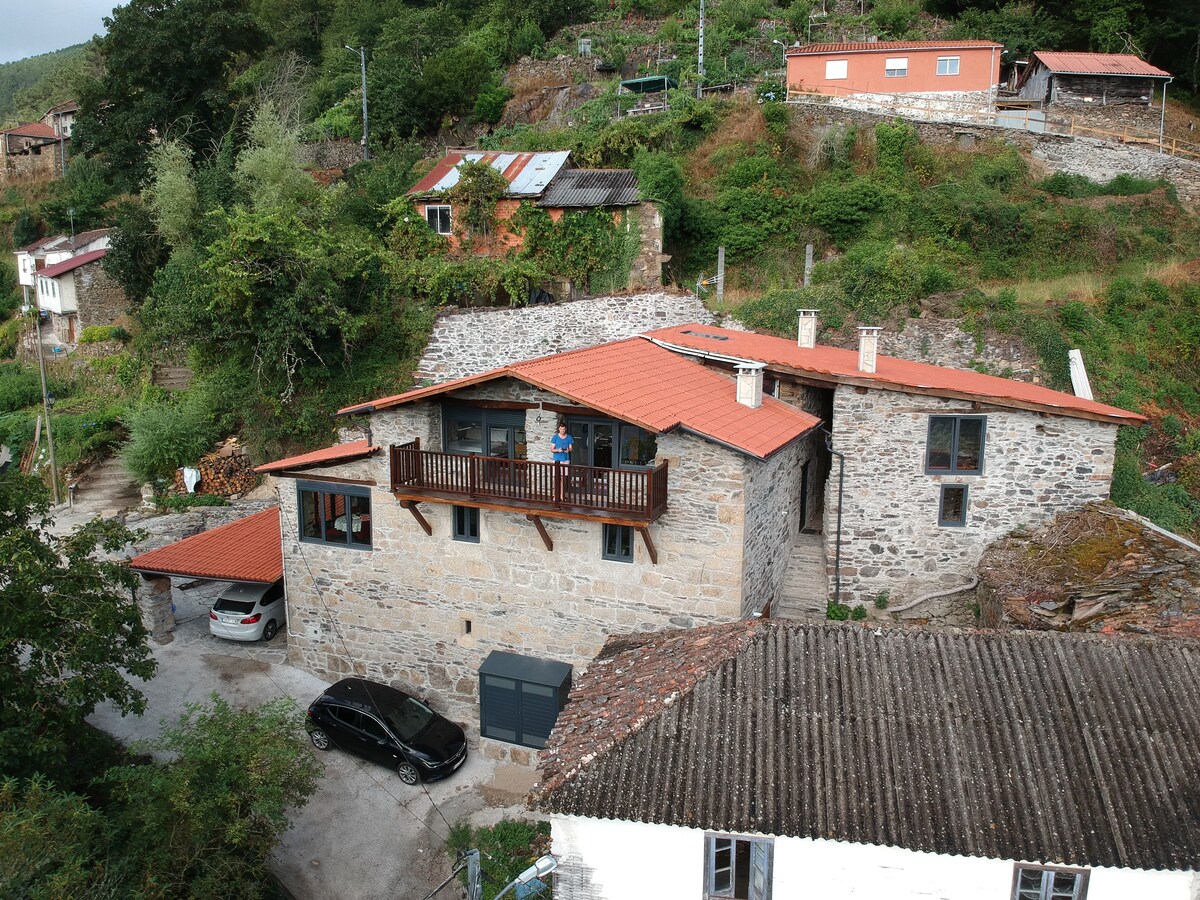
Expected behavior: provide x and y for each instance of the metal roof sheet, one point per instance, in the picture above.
(1005, 745)
(74, 262)
(527, 174)
(590, 188)
(1098, 64)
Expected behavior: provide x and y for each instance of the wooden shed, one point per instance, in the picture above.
(1090, 79)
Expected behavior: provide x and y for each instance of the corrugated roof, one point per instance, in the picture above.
(67, 265)
(1004, 745)
(249, 549)
(836, 364)
(336, 453)
(868, 46)
(527, 174)
(638, 382)
(1098, 64)
(592, 187)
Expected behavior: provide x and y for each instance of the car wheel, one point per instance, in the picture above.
(270, 630)
(319, 739)
(408, 773)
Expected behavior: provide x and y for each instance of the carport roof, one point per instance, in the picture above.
(248, 550)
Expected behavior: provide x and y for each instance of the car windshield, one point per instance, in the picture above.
(408, 717)
(234, 606)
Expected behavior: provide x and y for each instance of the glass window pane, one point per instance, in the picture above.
(602, 445)
(581, 432)
(638, 447)
(539, 690)
(360, 521)
(954, 505)
(941, 440)
(519, 445)
(310, 517)
(335, 517)
(498, 441)
(465, 435)
(970, 443)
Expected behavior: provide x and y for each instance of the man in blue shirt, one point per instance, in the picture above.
(562, 443)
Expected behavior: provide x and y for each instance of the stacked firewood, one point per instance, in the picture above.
(226, 472)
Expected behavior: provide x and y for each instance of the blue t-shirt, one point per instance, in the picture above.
(562, 444)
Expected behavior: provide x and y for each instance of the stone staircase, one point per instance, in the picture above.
(105, 490)
(172, 378)
(805, 589)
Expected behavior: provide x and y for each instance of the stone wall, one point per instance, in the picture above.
(1035, 466)
(468, 341)
(98, 296)
(339, 154)
(30, 166)
(399, 612)
(646, 272)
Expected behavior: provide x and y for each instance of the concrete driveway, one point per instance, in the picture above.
(364, 834)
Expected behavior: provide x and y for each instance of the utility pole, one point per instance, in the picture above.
(362, 60)
(700, 56)
(46, 406)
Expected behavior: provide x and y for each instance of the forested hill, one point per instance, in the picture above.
(29, 87)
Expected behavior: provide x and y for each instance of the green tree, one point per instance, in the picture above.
(204, 824)
(70, 632)
(166, 435)
(136, 250)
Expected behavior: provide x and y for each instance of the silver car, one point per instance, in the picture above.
(248, 612)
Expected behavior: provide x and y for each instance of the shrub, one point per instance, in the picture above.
(843, 209)
(507, 848)
(837, 612)
(881, 599)
(164, 436)
(858, 613)
(20, 386)
(95, 334)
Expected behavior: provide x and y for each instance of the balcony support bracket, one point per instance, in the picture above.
(645, 533)
(421, 520)
(541, 527)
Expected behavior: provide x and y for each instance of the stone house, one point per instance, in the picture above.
(716, 475)
(549, 182)
(1085, 80)
(777, 759)
(47, 251)
(31, 151)
(933, 69)
(78, 293)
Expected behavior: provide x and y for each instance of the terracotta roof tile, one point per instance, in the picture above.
(636, 381)
(31, 129)
(74, 262)
(1098, 64)
(249, 549)
(336, 453)
(836, 364)
(868, 46)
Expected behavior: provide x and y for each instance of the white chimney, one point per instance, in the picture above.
(868, 347)
(806, 336)
(749, 384)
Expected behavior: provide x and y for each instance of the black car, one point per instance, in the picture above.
(386, 726)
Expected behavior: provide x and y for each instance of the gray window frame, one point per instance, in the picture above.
(437, 225)
(958, 420)
(710, 852)
(1081, 879)
(618, 556)
(344, 490)
(469, 516)
(943, 522)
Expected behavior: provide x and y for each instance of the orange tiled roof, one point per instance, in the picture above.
(31, 129)
(869, 46)
(836, 364)
(636, 381)
(74, 262)
(249, 549)
(336, 453)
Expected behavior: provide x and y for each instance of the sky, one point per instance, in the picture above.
(30, 27)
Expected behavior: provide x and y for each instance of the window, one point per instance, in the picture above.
(595, 440)
(490, 432)
(438, 218)
(335, 514)
(955, 445)
(1045, 883)
(737, 868)
(835, 69)
(466, 524)
(947, 65)
(618, 542)
(520, 697)
(895, 67)
(952, 508)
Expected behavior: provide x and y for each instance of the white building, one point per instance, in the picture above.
(767, 759)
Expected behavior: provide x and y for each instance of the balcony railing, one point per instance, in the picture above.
(639, 495)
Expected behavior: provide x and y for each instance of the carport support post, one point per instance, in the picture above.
(154, 603)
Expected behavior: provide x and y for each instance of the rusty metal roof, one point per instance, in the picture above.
(1098, 64)
(590, 188)
(1004, 745)
(527, 174)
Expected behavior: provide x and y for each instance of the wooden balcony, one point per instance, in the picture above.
(624, 496)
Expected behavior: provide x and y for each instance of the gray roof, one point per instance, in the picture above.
(591, 187)
(1075, 749)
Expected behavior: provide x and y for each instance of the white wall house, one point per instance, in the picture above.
(773, 759)
(49, 251)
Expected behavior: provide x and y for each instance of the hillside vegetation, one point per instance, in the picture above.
(291, 296)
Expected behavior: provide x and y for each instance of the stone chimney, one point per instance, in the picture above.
(749, 384)
(868, 347)
(806, 336)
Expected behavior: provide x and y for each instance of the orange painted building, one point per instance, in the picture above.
(894, 67)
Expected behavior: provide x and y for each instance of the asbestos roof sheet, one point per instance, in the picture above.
(636, 381)
(1004, 745)
(248, 550)
(68, 265)
(527, 174)
(1098, 64)
(336, 453)
(869, 46)
(591, 188)
(838, 365)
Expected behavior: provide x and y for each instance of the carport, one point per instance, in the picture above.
(247, 551)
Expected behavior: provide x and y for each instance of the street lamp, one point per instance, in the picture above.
(361, 53)
(544, 866)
